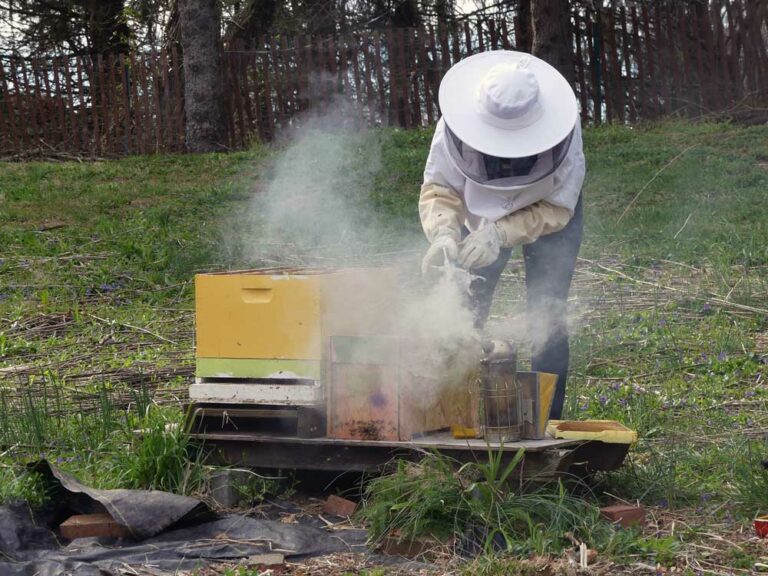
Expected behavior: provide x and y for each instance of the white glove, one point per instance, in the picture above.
(480, 249)
(443, 250)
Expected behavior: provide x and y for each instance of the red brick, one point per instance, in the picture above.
(86, 525)
(337, 506)
(623, 514)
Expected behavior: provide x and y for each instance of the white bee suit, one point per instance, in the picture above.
(450, 201)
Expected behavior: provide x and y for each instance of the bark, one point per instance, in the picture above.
(525, 31)
(552, 35)
(203, 91)
(252, 20)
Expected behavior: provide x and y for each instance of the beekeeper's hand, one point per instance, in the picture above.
(480, 248)
(443, 250)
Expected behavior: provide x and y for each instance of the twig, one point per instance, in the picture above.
(658, 173)
(683, 226)
(132, 327)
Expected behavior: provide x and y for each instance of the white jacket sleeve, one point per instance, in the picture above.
(526, 225)
(441, 206)
(554, 212)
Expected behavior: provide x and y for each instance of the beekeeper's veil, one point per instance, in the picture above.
(509, 117)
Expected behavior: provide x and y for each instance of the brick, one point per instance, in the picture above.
(623, 514)
(338, 506)
(89, 525)
(226, 487)
(407, 548)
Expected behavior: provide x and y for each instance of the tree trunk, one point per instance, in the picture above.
(552, 35)
(203, 93)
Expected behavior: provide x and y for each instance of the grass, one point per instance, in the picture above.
(669, 306)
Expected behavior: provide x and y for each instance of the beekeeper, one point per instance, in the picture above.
(505, 169)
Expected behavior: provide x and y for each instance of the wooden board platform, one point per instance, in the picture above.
(437, 440)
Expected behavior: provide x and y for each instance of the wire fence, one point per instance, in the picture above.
(639, 60)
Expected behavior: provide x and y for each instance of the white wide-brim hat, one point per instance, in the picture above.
(507, 104)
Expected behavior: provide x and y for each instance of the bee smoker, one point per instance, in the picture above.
(500, 392)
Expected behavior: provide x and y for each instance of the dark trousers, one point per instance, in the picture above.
(549, 265)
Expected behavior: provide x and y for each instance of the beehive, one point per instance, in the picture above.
(274, 326)
(321, 339)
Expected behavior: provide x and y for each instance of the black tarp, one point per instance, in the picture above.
(170, 533)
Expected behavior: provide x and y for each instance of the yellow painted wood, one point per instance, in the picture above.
(257, 368)
(247, 315)
(608, 431)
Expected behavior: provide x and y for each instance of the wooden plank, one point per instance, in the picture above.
(685, 58)
(480, 40)
(626, 51)
(426, 71)
(700, 96)
(456, 48)
(593, 28)
(117, 102)
(43, 90)
(22, 120)
(104, 110)
(673, 60)
(583, 103)
(353, 57)
(64, 133)
(252, 123)
(301, 68)
(145, 126)
(492, 34)
(244, 393)
(280, 81)
(270, 118)
(74, 118)
(10, 115)
(723, 60)
(159, 124)
(178, 94)
(257, 96)
(87, 143)
(617, 81)
(394, 89)
(170, 129)
(601, 47)
(136, 116)
(433, 73)
(733, 37)
(467, 39)
(370, 95)
(31, 110)
(653, 93)
(233, 68)
(346, 71)
(383, 104)
(445, 51)
(403, 80)
(505, 41)
(126, 90)
(414, 52)
(434, 440)
(290, 81)
(717, 84)
(660, 49)
(640, 94)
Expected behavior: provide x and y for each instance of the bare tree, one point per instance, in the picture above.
(552, 34)
(203, 92)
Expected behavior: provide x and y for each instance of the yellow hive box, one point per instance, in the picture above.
(267, 323)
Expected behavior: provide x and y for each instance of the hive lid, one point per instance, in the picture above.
(608, 431)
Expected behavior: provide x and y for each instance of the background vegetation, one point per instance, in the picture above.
(669, 316)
